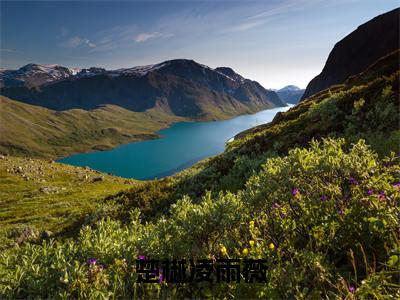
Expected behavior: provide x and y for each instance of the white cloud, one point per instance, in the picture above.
(243, 26)
(144, 36)
(76, 41)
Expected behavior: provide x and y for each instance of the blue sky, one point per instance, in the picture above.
(274, 42)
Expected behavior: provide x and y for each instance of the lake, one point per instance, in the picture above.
(181, 145)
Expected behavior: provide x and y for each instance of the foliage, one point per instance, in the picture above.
(324, 218)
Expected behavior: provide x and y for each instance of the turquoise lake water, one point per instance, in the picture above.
(181, 145)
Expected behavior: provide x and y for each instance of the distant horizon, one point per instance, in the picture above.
(276, 43)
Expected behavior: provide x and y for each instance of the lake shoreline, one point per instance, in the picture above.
(176, 147)
(151, 136)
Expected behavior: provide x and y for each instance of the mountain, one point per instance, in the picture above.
(290, 94)
(354, 53)
(33, 75)
(180, 87)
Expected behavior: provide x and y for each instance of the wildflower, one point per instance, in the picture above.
(275, 205)
(295, 192)
(245, 251)
(251, 224)
(382, 196)
(223, 250)
(352, 289)
(160, 279)
(340, 211)
(397, 185)
(142, 257)
(323, 198)
(271, 246)
(251, 242)
(92, 261)
(353, 181)
(370, 192)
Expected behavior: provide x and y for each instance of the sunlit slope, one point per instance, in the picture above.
(38, 195)
(36, 131)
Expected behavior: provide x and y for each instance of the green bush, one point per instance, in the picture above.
(324, 218)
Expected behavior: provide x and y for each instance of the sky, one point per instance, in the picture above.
(273, 42)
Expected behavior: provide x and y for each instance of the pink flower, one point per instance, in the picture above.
(295, 191)
(352, 289)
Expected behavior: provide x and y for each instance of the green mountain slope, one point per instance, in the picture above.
(37, 195)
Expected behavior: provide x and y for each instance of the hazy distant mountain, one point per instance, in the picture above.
(181, 87)
(358, 50)
(290, 94)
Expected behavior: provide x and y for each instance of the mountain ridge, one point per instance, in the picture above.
(357, 50)
(183, 87)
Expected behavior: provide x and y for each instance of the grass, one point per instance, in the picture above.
(43, 195)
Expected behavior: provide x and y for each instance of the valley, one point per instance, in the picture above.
(310, 191)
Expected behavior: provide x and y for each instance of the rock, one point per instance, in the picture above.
(98, 178)
(46, 234)
(49, 189)
(27, 234)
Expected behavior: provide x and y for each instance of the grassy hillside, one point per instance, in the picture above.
(36, 131)
(39, 195)
(315, 193)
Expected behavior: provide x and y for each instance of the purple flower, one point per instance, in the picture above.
(295, 191)
(161, 278)
(382, 196)
(92, 261)
(142, 257)
(397, 184)
(324, 198)
(353, 181)
(340, 211)
(275, 205)
(352, 289)
(370, 192)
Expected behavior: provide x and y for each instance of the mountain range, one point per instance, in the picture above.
(180, 87)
